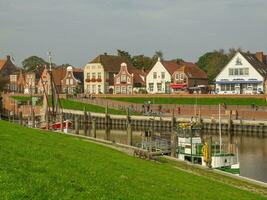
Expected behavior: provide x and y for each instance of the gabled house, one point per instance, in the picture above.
(245, 73)
(31, 82)
(189, 78)
(17, 82)
(7, 67)
(67, 80)
(72, 83)
(128, 80)
(159, 77)
(99, 73)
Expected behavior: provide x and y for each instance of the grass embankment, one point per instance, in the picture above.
(75, 105)
(42, 165)
(190, 101)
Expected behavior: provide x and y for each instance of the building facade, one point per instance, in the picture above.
(72, 82)
(245, 74)
(123, 81)
(159, 77)
(99, 74)
(189, 78)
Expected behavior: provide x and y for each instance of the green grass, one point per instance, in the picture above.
(42, 165)
(75, 105)
(21, 98)
(200, 101)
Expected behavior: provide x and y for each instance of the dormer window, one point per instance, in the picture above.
(238, 61)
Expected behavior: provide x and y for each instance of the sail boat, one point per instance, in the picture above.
(52, 106)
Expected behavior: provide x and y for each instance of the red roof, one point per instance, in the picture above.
(170, 66)
(192, 71)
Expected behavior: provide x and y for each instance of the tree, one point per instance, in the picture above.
(124, 54)
(158, 54)
(212, 63)
(31, 62)
(142, 62)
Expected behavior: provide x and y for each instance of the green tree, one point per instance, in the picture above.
(31, 63)
(124, 54)
(143, 62)
(158, 54)
(212, 63)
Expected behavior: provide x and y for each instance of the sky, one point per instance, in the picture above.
(76, 31)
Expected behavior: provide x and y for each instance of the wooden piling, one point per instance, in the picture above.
(85, 123)
(20, 118)
(107, 124)
(93, 128)
(77, 124)
(61, 122)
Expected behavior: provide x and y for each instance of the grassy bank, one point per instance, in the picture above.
(75, 105)
(43, 165)
(200, 101)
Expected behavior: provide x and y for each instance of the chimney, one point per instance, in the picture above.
(261, 57)
(8, 57)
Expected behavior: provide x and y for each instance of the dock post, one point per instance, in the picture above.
(93, 128)
(107, 124)
(20, 118)
(85, 123)
(61, 122)
(173, 136)
(77, 124)
(210, 152)
(33, 119)
(129, 129)
(89, 124)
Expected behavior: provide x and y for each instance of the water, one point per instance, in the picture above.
(252, 151)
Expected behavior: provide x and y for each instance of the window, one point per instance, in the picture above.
(117, 89)
(223, 87)
(118, 80)
(88, 75)
(227, 87)
(99, 88)
(99, 75)
(71, 81)
(246, 71)
(88, 89)
(123, 78)
(67, 81)
(255, 87)
(154, 75)
(181, 76)
(232, 87)
(163, 75)
(151, 87)
(93, 75)
(129, 89)
(123, 89)
(93, 88)
(231, 71)
(177, 76)
(236, 71)
(128, 80)
(159, 87)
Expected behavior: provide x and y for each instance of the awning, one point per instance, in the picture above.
(237, 82)
(178, 86)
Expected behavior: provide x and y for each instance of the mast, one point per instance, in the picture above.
(51, 84)
(220, 128)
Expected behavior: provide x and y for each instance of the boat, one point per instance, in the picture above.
(193, 148)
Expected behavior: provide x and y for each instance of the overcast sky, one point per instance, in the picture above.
(78, 30)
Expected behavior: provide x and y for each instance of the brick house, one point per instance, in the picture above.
(6, 68)
(73, 81)
(31, 82)
(189, 78)
(128, 80)
(66, 80)
(17, 82)
(99, 73)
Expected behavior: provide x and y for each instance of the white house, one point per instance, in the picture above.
(244, 74)
(158, 78)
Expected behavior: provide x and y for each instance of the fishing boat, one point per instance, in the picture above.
(52, 108)
(192, 147)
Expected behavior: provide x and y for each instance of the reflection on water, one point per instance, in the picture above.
(252, 151)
